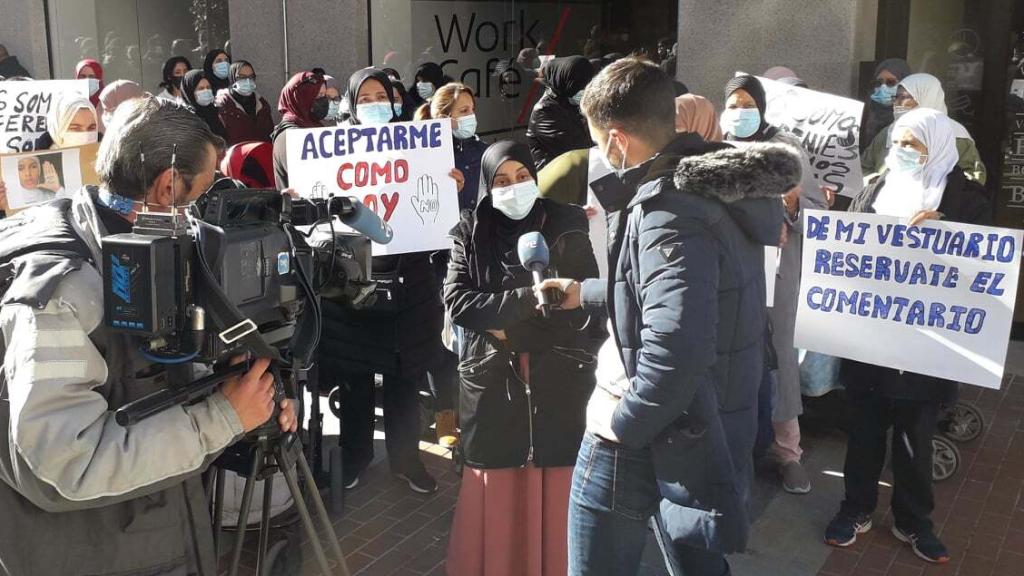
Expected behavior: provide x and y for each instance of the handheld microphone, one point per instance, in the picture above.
(366, 222)
(533, 253)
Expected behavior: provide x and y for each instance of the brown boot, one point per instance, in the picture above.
(447, 436)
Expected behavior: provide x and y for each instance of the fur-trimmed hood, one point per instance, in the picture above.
(744, 171)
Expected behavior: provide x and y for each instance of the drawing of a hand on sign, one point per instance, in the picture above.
(426, 202)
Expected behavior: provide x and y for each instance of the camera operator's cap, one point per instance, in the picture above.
(250, 162)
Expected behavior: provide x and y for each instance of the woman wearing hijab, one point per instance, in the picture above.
(923, 182)
(91, 70)
(251, 163)
(878, 112)
(335, 96)
(697, 114)
(115, 94)
(70, 122)
(244, 113)
(429, 77)
(744, 121)
(923, 91)
(556, 125)
(197, 92)
(399, 338)
(174, 70)
(524, 378)
(302, 104)
(217, 66)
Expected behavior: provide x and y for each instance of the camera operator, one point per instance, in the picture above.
(80, 493)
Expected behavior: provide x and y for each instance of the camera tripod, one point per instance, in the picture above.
(270, 452)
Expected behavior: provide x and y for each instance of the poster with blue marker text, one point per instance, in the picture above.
(935, 299)
(399, 170)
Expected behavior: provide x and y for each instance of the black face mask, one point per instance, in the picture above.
(320, 107)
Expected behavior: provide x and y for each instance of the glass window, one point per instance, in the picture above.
(133, 38)
(498, 47)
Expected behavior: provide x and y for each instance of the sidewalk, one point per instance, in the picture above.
(389, 530)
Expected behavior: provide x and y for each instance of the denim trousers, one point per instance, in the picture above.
(614, 500)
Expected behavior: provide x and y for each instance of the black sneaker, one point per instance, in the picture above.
(926, 545)
(842, 531)
(419, 480)
(350, 478)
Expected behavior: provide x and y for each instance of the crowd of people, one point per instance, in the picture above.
(643, 395)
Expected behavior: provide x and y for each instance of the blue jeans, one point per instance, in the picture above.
(613, 500)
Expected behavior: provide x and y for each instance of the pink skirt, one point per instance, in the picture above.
(511, 522)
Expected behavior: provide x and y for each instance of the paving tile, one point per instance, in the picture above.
(985, 547)
(976, 566)
(877, 558)
(902, 569)
(840, 563)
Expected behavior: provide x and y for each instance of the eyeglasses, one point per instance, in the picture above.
(890, 82)
(253, 77)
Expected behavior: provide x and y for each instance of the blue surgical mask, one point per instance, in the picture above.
(245, 87)
(221, 69)
(904, 160)
(517, 200)
(204, 97)
(467, 127)
(398, 109)
(375, 113)
(425, 90)
(94, 86)
(884, 95)
(333, 109)
(741, 122)
(577, 98)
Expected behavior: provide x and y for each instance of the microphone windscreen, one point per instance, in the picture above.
(366, 222)
(533, 251)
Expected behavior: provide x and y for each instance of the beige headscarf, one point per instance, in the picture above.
(62, 111)
(697, 114)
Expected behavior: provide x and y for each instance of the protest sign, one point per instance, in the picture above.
(45, 175)
(400, 171)
(827, 126)
(772, 255)
(24, 106)
(935, 299)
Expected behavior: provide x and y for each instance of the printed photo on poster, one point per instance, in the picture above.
(40, 177)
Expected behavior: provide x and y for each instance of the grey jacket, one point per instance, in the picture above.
(80, 494)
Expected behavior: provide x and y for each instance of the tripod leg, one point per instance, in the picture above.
(322, 513)
(307, 521)
(243, 512)
(218, 509)
(261, 552)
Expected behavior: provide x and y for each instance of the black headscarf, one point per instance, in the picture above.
(429, 72)
(496, 236)
(216, 82)
(169, 81)
(752, 86)
(248, 102)
(567, 76)
(356, 81)
(209, 113)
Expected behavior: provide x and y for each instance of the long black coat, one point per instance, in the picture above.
(506, 423)
(556, 127)
(963, 201)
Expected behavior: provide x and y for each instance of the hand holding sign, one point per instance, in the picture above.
(51, 180)
(426, 201)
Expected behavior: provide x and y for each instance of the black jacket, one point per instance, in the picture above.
(556, 127)
(686, 297)
(504, 421)
(963, 201)
(468, 153)
(10, 68)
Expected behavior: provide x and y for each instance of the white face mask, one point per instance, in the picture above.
(79, 139)
(607, 161)
(94, 86)
(517, 200)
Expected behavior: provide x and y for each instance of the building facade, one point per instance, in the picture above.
(976, 47)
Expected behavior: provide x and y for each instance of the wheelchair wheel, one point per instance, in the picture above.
(334, 402)
(946, 458)
(964, 422)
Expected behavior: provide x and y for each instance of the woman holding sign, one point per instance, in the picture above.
(923, 183)
(70, 122)
(524, 379)
(744, 121)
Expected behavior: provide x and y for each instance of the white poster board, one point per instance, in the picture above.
(935, 299)
(24, 106)
(827, 126)
(400, 171)
(772, 255)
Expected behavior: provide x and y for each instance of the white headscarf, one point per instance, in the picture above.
(904, 195)
(928, 93)
(62, 111)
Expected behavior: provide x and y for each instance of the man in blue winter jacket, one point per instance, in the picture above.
(672, 439)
